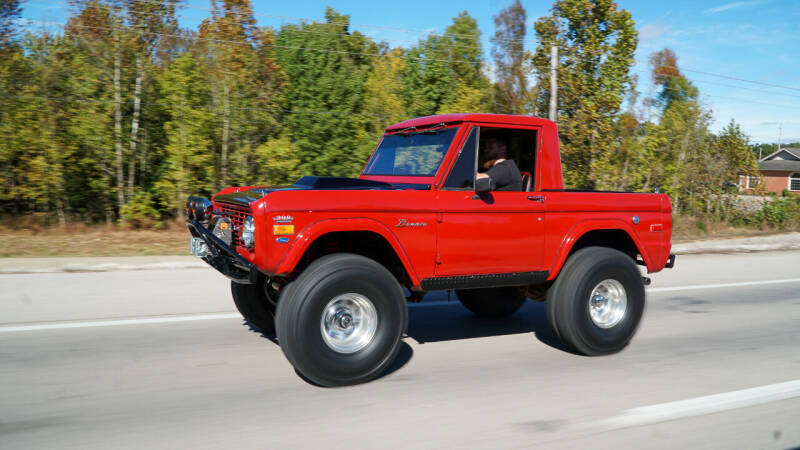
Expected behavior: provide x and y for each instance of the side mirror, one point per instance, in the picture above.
(484, 185)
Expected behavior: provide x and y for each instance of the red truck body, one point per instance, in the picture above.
(453, 233)
(467, 202)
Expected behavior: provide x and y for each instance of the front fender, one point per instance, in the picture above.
(313, 231)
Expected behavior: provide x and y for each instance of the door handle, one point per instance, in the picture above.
(536, 198)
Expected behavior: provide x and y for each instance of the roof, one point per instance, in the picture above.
(779, 164)
(791, 154)
(507, 119)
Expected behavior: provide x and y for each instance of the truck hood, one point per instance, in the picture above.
(244, 198)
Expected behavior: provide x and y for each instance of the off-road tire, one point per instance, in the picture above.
(252, 303)
(300, 313)
(568, 301)
(492, 302)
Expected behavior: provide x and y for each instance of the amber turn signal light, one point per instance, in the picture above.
(279, 230)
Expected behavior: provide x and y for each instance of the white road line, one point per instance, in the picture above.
(724, 285)
(190, 318)
(113, 323)
(699, 406)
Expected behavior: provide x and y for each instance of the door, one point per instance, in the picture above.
(499, 232)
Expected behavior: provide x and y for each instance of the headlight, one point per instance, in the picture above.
(249, 232)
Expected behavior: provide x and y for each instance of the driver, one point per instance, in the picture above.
(503, 171)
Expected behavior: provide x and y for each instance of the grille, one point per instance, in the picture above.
(237, 215)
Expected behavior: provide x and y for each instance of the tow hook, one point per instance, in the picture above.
(646, 281)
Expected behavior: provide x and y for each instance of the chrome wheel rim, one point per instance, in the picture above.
(607, 303)
(348, 323)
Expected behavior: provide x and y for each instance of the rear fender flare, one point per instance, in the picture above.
(581, 228)
(309, 234)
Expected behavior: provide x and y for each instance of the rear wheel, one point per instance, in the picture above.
(597, 301)
(340, 322)
(492, 302)
(253, 304)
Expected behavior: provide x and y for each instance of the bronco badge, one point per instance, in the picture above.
(406, 223)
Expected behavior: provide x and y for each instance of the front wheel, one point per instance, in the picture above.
(253, 304)
(340, 322)
(597, 301)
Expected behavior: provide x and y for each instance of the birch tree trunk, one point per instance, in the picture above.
(226, 127)
(62, 219)
(118, 126)
(137, 101)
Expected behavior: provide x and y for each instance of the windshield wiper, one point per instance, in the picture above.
(435, 129)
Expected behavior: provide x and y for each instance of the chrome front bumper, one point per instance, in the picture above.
(220, 255)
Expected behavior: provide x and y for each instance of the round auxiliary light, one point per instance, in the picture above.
(249, 232)
(202, 209)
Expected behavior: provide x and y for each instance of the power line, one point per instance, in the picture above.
(750, 101)
(286, 47)
(694, 80)
(211, 108)
(744, 80)
(543, 44)
(454, 45)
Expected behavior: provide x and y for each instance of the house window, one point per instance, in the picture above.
(753, 182)
(794, 182)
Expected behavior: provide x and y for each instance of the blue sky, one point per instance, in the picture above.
(753, 40)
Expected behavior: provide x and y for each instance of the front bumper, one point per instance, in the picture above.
(222, 256)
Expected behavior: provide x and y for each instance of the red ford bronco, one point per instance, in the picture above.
(328, 263)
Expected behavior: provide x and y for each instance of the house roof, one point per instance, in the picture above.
(791, 154)
(779, 164)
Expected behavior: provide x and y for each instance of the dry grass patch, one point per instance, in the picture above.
(688, 229)
(99, 240)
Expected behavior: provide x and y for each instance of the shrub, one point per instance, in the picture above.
(140, 211)
(783, 213)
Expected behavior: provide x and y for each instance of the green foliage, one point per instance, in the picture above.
(140, 212)
(779, 213)
(276, 163)
(511, 62)
(444, 73)
(325, 93)
(188, 166)
(597, 43)
(9, 11)
(123, 115)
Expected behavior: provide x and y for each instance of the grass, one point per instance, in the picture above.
(83, 240)
(173, 239)
(688, 229)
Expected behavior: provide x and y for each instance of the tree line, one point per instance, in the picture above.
(122, 113)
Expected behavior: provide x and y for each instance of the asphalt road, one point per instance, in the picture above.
(157, 359)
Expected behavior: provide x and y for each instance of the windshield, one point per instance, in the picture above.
(415, 154)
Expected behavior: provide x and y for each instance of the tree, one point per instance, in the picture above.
(189, 163)
(445, 73)
(597, 43)
(511, 61)
(327, 67)
(148, 22)
(14, 71)
(683, 126)
(675, 87)
(99, 27)
(245, 84)
(383, 97)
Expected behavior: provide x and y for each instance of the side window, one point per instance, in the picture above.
(518, 146)
(462, 175)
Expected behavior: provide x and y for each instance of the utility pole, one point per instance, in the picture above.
(780, 132)
(553, 81)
